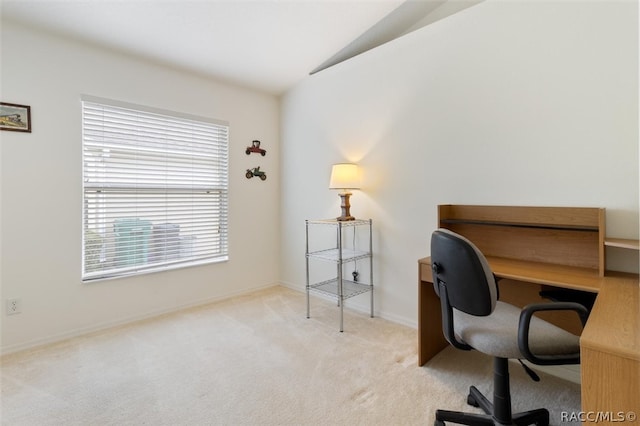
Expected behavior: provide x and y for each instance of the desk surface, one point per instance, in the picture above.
(614, 323)
(534, 272)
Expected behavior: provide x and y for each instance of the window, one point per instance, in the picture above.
(155, 187)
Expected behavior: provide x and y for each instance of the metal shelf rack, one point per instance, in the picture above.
(340, 254)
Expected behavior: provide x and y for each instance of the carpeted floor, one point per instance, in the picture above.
(254, 360)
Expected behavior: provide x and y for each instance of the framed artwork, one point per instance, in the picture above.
(15, 117)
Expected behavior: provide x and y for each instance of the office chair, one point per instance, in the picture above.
(473, 318)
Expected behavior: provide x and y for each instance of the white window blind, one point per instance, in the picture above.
(155, 189)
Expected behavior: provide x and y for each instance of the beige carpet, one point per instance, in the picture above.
(254, 360)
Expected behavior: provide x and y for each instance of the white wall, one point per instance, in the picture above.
(505, 103)
(41, 188)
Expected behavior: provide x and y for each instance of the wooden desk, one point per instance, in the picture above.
(531, 248)
(609, 344)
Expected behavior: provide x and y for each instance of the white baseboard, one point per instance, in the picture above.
(31, 344)
(362, 307)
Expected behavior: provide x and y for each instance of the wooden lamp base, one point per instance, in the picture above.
(345, 206)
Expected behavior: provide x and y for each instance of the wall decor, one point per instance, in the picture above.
(15, 117)
(256, 172)
(255, 147)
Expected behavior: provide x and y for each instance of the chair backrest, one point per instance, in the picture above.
(463, 271)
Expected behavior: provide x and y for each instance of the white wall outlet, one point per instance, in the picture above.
(14, 306)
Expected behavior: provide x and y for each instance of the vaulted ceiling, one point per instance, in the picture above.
(268, 45)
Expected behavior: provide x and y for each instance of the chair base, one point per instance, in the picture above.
(534, 417)
(498, 412)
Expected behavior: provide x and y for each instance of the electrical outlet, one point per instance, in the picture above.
(14, 306)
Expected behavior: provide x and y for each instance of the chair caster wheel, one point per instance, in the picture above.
(438, 423)
(542, 423)
(472, 401)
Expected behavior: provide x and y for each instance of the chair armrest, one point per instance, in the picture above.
(524, 325)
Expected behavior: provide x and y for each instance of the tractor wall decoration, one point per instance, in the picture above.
(255, 147)
(256, 172)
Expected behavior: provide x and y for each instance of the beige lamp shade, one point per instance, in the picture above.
(344, 176)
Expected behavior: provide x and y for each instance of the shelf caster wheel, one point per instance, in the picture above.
(438, 423)
(472, 401)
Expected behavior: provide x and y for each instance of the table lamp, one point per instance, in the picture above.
(345, 176)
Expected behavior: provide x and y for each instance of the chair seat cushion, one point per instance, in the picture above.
(497, 334)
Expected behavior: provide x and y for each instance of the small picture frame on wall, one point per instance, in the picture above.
(14, 117)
